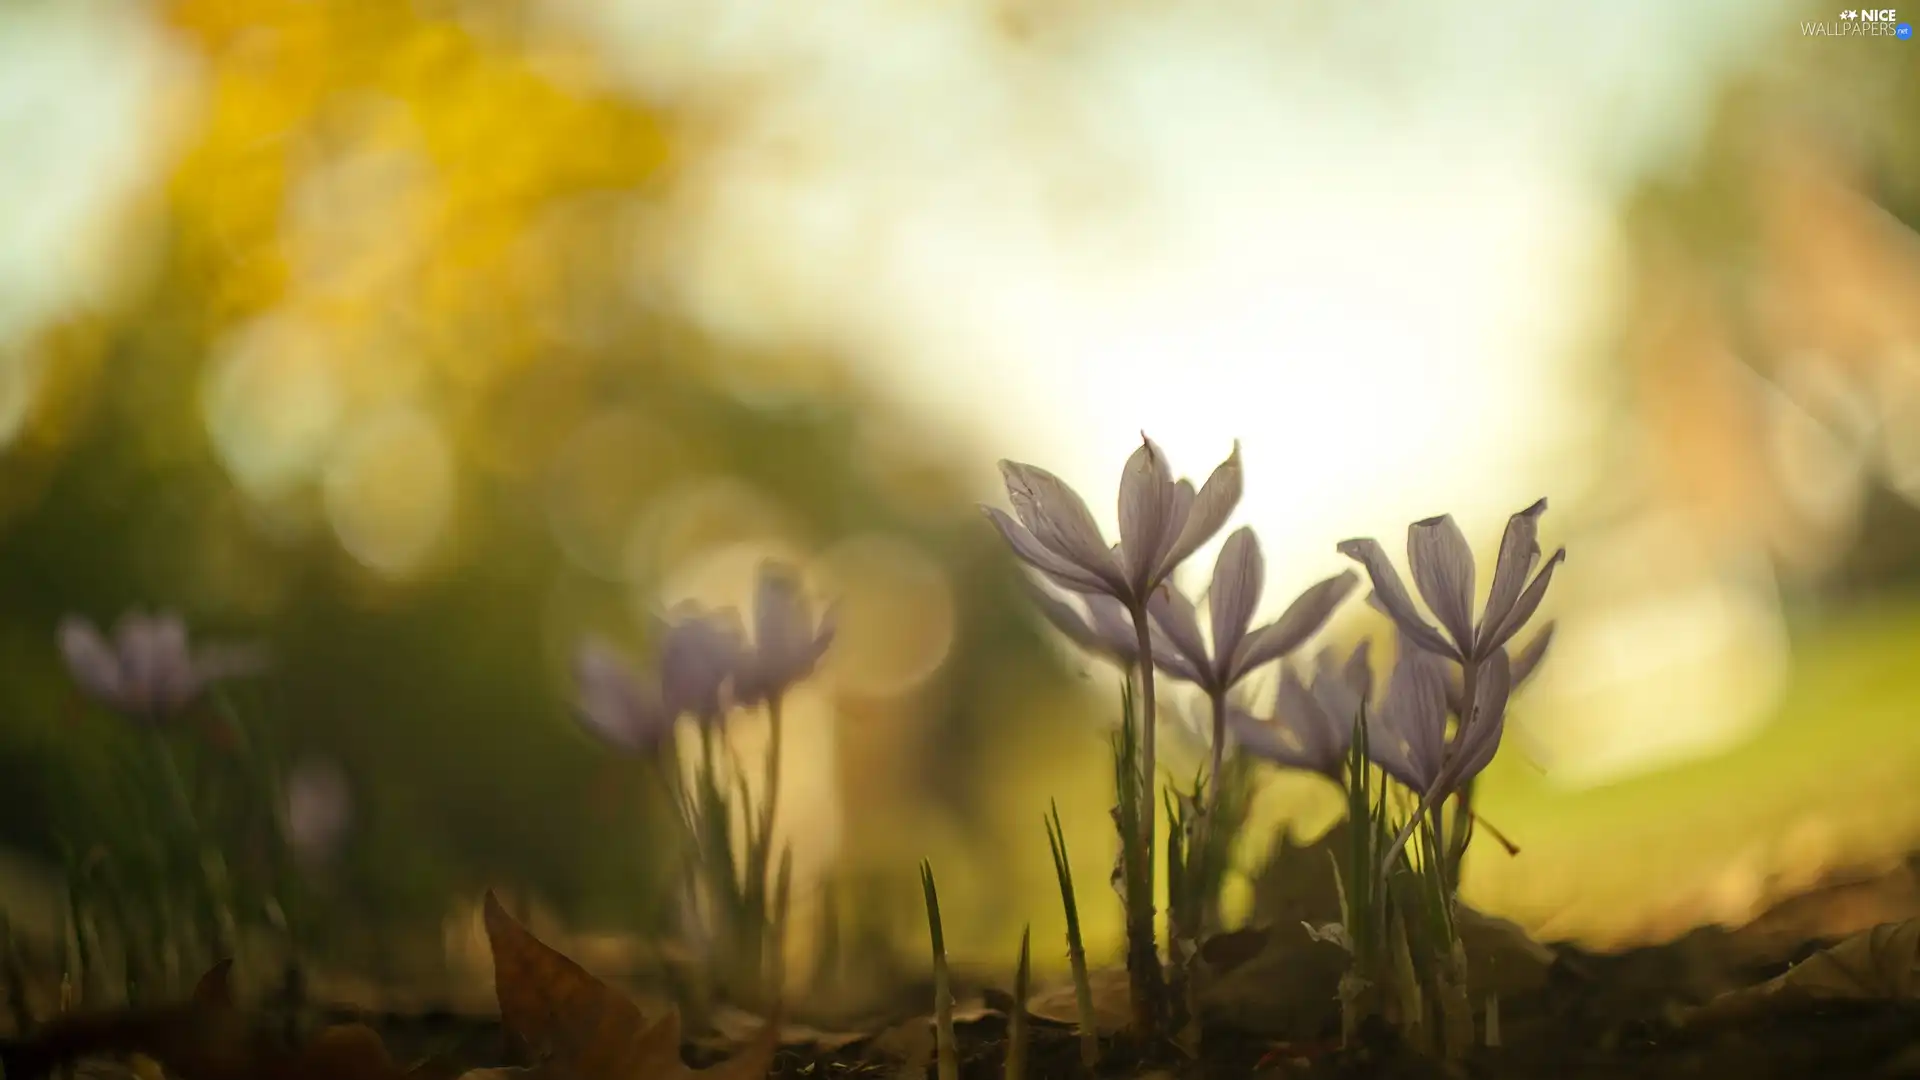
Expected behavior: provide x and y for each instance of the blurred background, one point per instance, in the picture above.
(416, 340)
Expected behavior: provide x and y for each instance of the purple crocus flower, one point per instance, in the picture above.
(148, 670)
(1162, 521)
(1312, 724)
(701, 651)
(1407, 734)
(617, 704)
(1238, 649)
(1442, 566)
(1096, 623)
(787, 641)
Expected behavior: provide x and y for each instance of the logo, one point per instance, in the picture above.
(1861, 22)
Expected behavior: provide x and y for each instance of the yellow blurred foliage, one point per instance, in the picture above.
(494, 132)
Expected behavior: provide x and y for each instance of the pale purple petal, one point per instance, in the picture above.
(1358, 670)
(1174, 614)
(1084, 631)
(92, 663)
(1442, 565)
(1302, 619)
(787, 643)
(1519, 552)
(1208, 515)
(1147, 511)
(1057, 517)
(615, 704)
(1339, 699)
(1406, 734)
(1527, 661)
(1479, 739)
(699, 656)
(1391, 597)
(1112, 622)
(1528, 603)
(1280, 744)
(156, 666)
(1035, 554)
(1239, 574)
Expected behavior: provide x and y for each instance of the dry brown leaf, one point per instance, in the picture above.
(587, 1029)
(1873, 964)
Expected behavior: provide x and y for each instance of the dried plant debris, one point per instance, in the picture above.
(579, 1028)
(1877, 964)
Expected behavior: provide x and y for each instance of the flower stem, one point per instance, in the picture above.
(1146, 980)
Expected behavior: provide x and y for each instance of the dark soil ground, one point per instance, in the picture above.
(1600, 1018)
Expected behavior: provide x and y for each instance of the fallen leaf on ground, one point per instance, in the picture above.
(1876, 964)
(587, 1030)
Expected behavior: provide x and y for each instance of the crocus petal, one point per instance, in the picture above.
(1171, 661)
(1112, 623)
(91, 662)
(1146, 510)
(1442, 565)
(1239, 574)
(154, 661)
(1057, 517)
(1479, 739)
(1519, 551)
(1174, 614)
(1275, 742)
(1358, 671)
(1407, 732)
(787, 643)
(1392, 598)
(613, 704)
(1324, 733)
(1208, 512)
(782, 617)
(699, 656)
(1527, 661)
(1081, 630)
(1035, 554)
(1339, 701)
(1528, 603)
(1302, 619)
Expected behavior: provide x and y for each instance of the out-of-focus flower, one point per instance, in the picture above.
(701, 650)
(1162, 521)
(1407, 733)
(616, 703)
(1312, 724)
(319, 808)
(1442, 566)
(1103, 628)
(1238, 577)
(148, 670)
(787, 642)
